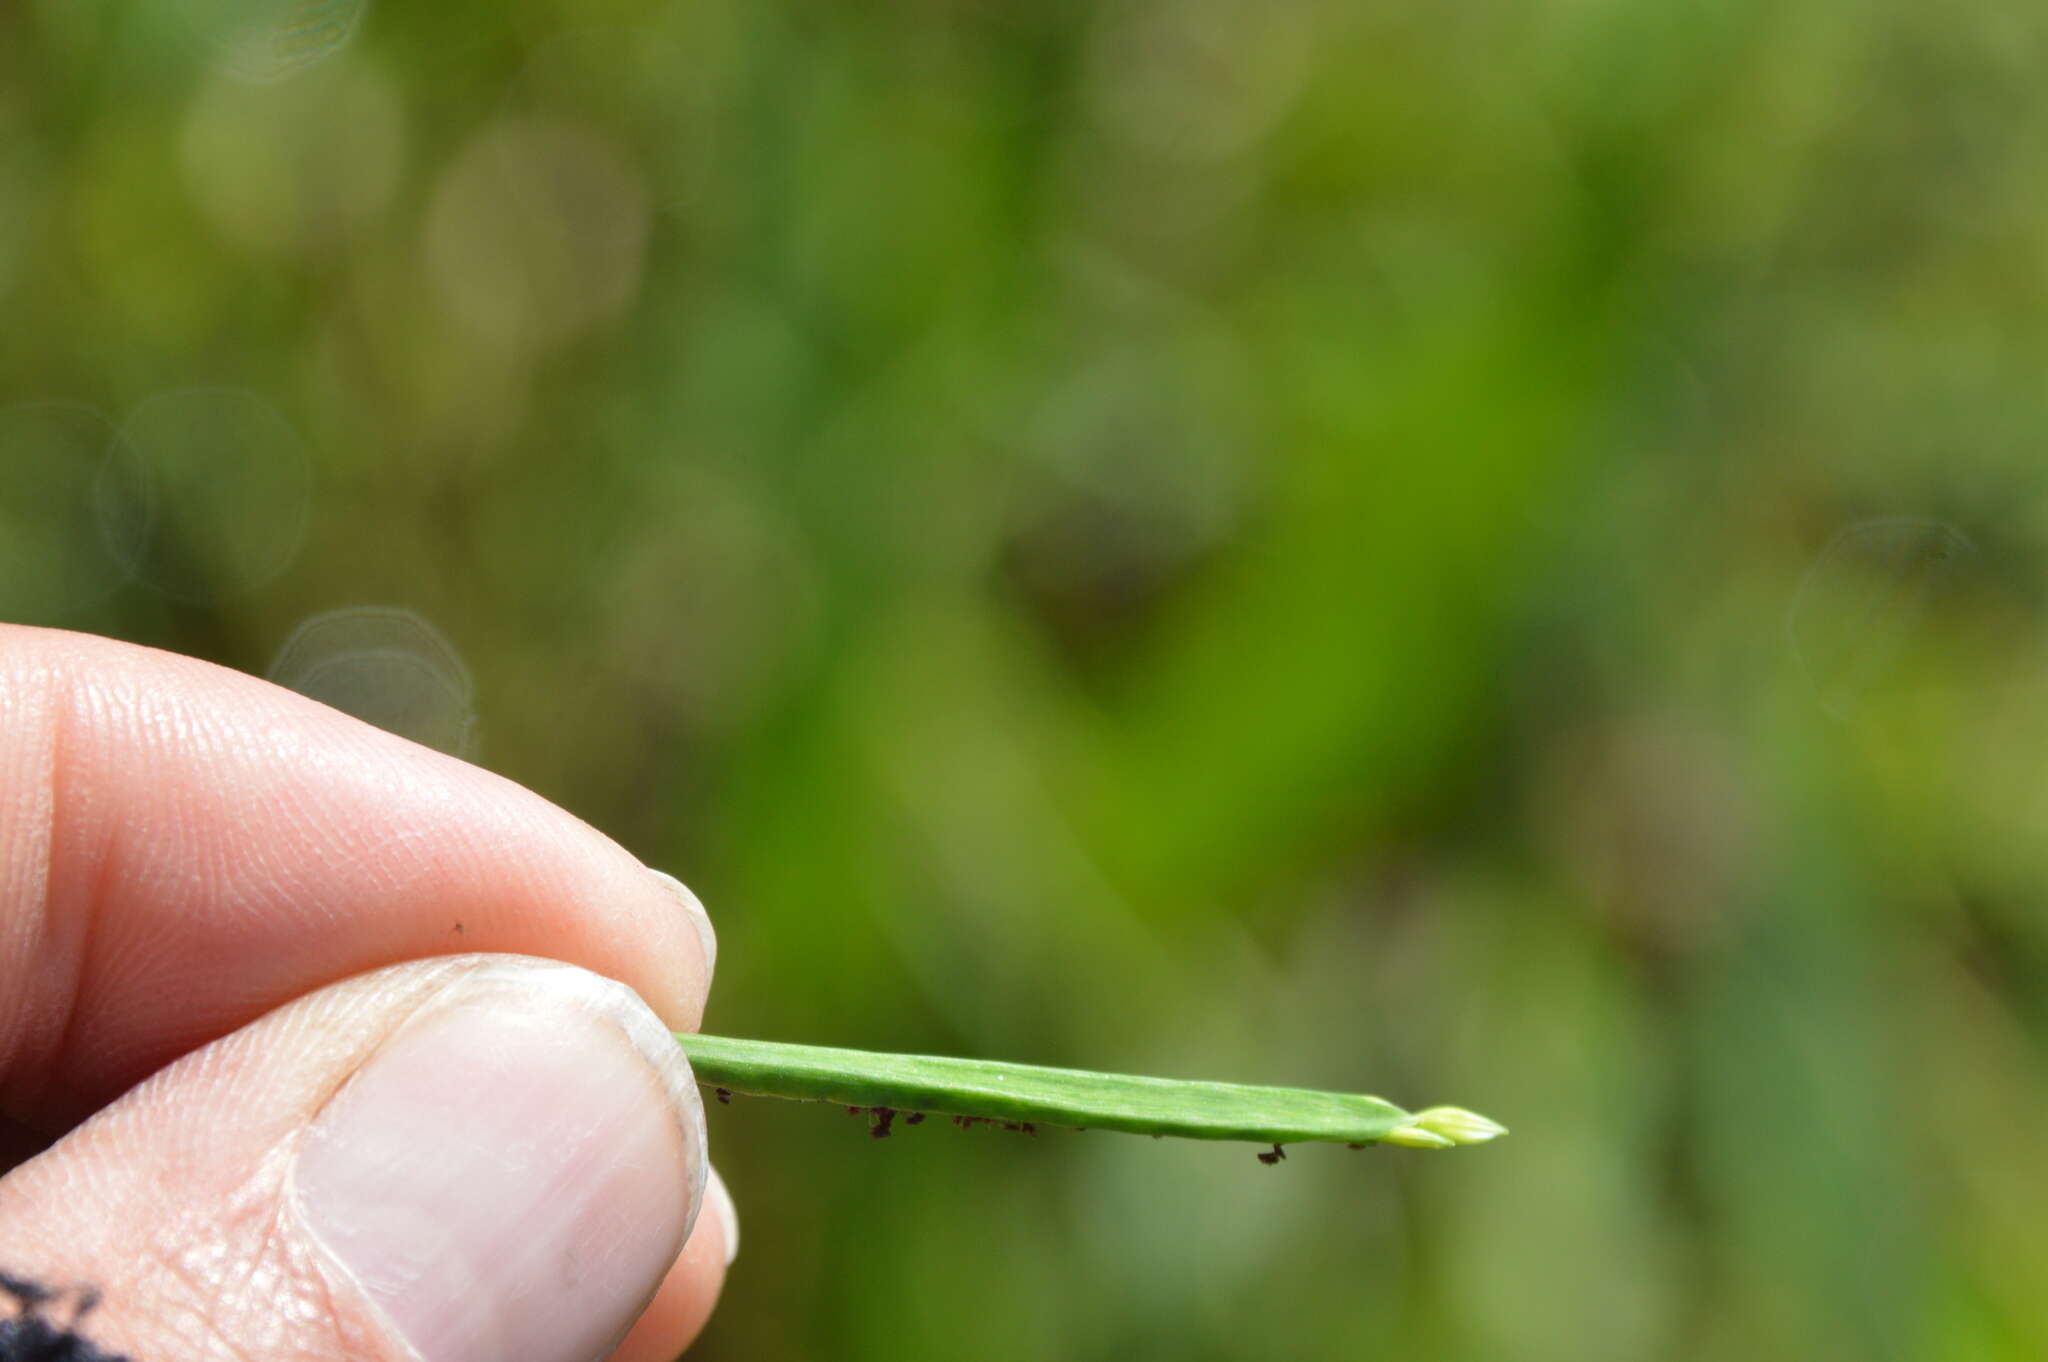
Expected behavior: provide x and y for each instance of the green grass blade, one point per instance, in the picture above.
(998, 1091)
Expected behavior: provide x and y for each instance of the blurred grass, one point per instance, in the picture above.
(1242, 541)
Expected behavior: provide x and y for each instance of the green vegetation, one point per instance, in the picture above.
(1482, 549)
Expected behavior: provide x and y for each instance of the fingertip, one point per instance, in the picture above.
(718, 1201)
(693, 913)
(683, 1304)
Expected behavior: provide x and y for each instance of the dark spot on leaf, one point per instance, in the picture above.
(724, 1095)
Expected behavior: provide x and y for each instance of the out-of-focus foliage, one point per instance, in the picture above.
(1484, 552)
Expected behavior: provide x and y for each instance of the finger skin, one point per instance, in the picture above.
(682, 1306)
(176, 1202)
(184, 848)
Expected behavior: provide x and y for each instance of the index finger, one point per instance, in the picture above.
(184, 848)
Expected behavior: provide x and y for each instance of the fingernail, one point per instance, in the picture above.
(693, 908)
(716, 1196)
(513, 1171)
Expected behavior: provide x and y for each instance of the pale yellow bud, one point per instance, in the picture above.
(1458, 1125)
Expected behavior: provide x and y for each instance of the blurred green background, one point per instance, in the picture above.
(1484, 553)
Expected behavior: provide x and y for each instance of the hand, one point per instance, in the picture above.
(370, 1123)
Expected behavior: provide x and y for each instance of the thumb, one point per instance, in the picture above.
(457, 1160)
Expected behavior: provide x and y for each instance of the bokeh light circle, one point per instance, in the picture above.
(207, 493)
(289, 167)
(537, 233)
(268, 40)
(385, 666)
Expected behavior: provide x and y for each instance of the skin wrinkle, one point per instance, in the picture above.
(262, 1288)
(245, 1291)
(94, 876)
(61, 954)
(25, 873)
(116, 709)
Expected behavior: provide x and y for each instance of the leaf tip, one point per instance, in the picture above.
(1455, 1125)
